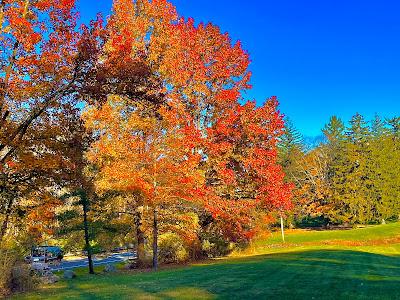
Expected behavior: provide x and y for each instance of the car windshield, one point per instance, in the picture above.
(38, 252)
(42, 251)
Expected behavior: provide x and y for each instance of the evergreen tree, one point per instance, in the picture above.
(291, 149)
(334, 131)
(359, 187)
(355, 176)
(394, 125)
(386, 155)
(291, 153)
(378, 128)
(337, 163)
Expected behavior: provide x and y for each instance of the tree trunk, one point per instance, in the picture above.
(155, 240)
(140, 253)
(87, 238)
(282, 230)
(6, 218)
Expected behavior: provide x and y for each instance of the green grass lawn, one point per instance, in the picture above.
(381, 239)
(353, 264)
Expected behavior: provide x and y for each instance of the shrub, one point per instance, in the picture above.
(172, 249)
(23, 278)
(215, 245)
(217, 248)
(7, 262)
(214, 240)
(15, 274)
(309, 221)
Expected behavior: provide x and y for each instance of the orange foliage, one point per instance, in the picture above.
(149, 154)
(193, 141)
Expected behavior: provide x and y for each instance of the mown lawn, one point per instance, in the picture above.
(381, 239)
(327, 266)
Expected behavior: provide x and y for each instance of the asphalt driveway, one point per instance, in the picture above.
(79, 263)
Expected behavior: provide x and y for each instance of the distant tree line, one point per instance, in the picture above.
(353, 177)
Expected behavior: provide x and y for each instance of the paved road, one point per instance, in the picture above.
(72, 264)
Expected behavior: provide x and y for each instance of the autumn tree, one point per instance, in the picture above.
(78, 186)
(194, 65)
(138, 55)
(313, 189)
(36, 77)
(243, 170)
(37, 64)
(150, 152)
(34, 178)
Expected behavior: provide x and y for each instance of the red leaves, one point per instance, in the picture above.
(242, 153)
(43, 5)
(235, 218)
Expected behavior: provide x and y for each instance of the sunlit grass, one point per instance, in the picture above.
(381, 239)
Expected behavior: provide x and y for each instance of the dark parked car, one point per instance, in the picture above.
(45, 254)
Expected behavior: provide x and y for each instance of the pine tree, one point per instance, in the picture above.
(378, 128)
(354, 177)
(359, 185)
(386, 155)
(337, 163)
(334, 131)
(291, 149)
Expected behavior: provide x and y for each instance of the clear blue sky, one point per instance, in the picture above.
(320, 57)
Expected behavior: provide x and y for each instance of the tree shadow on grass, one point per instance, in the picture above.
(322, 274)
